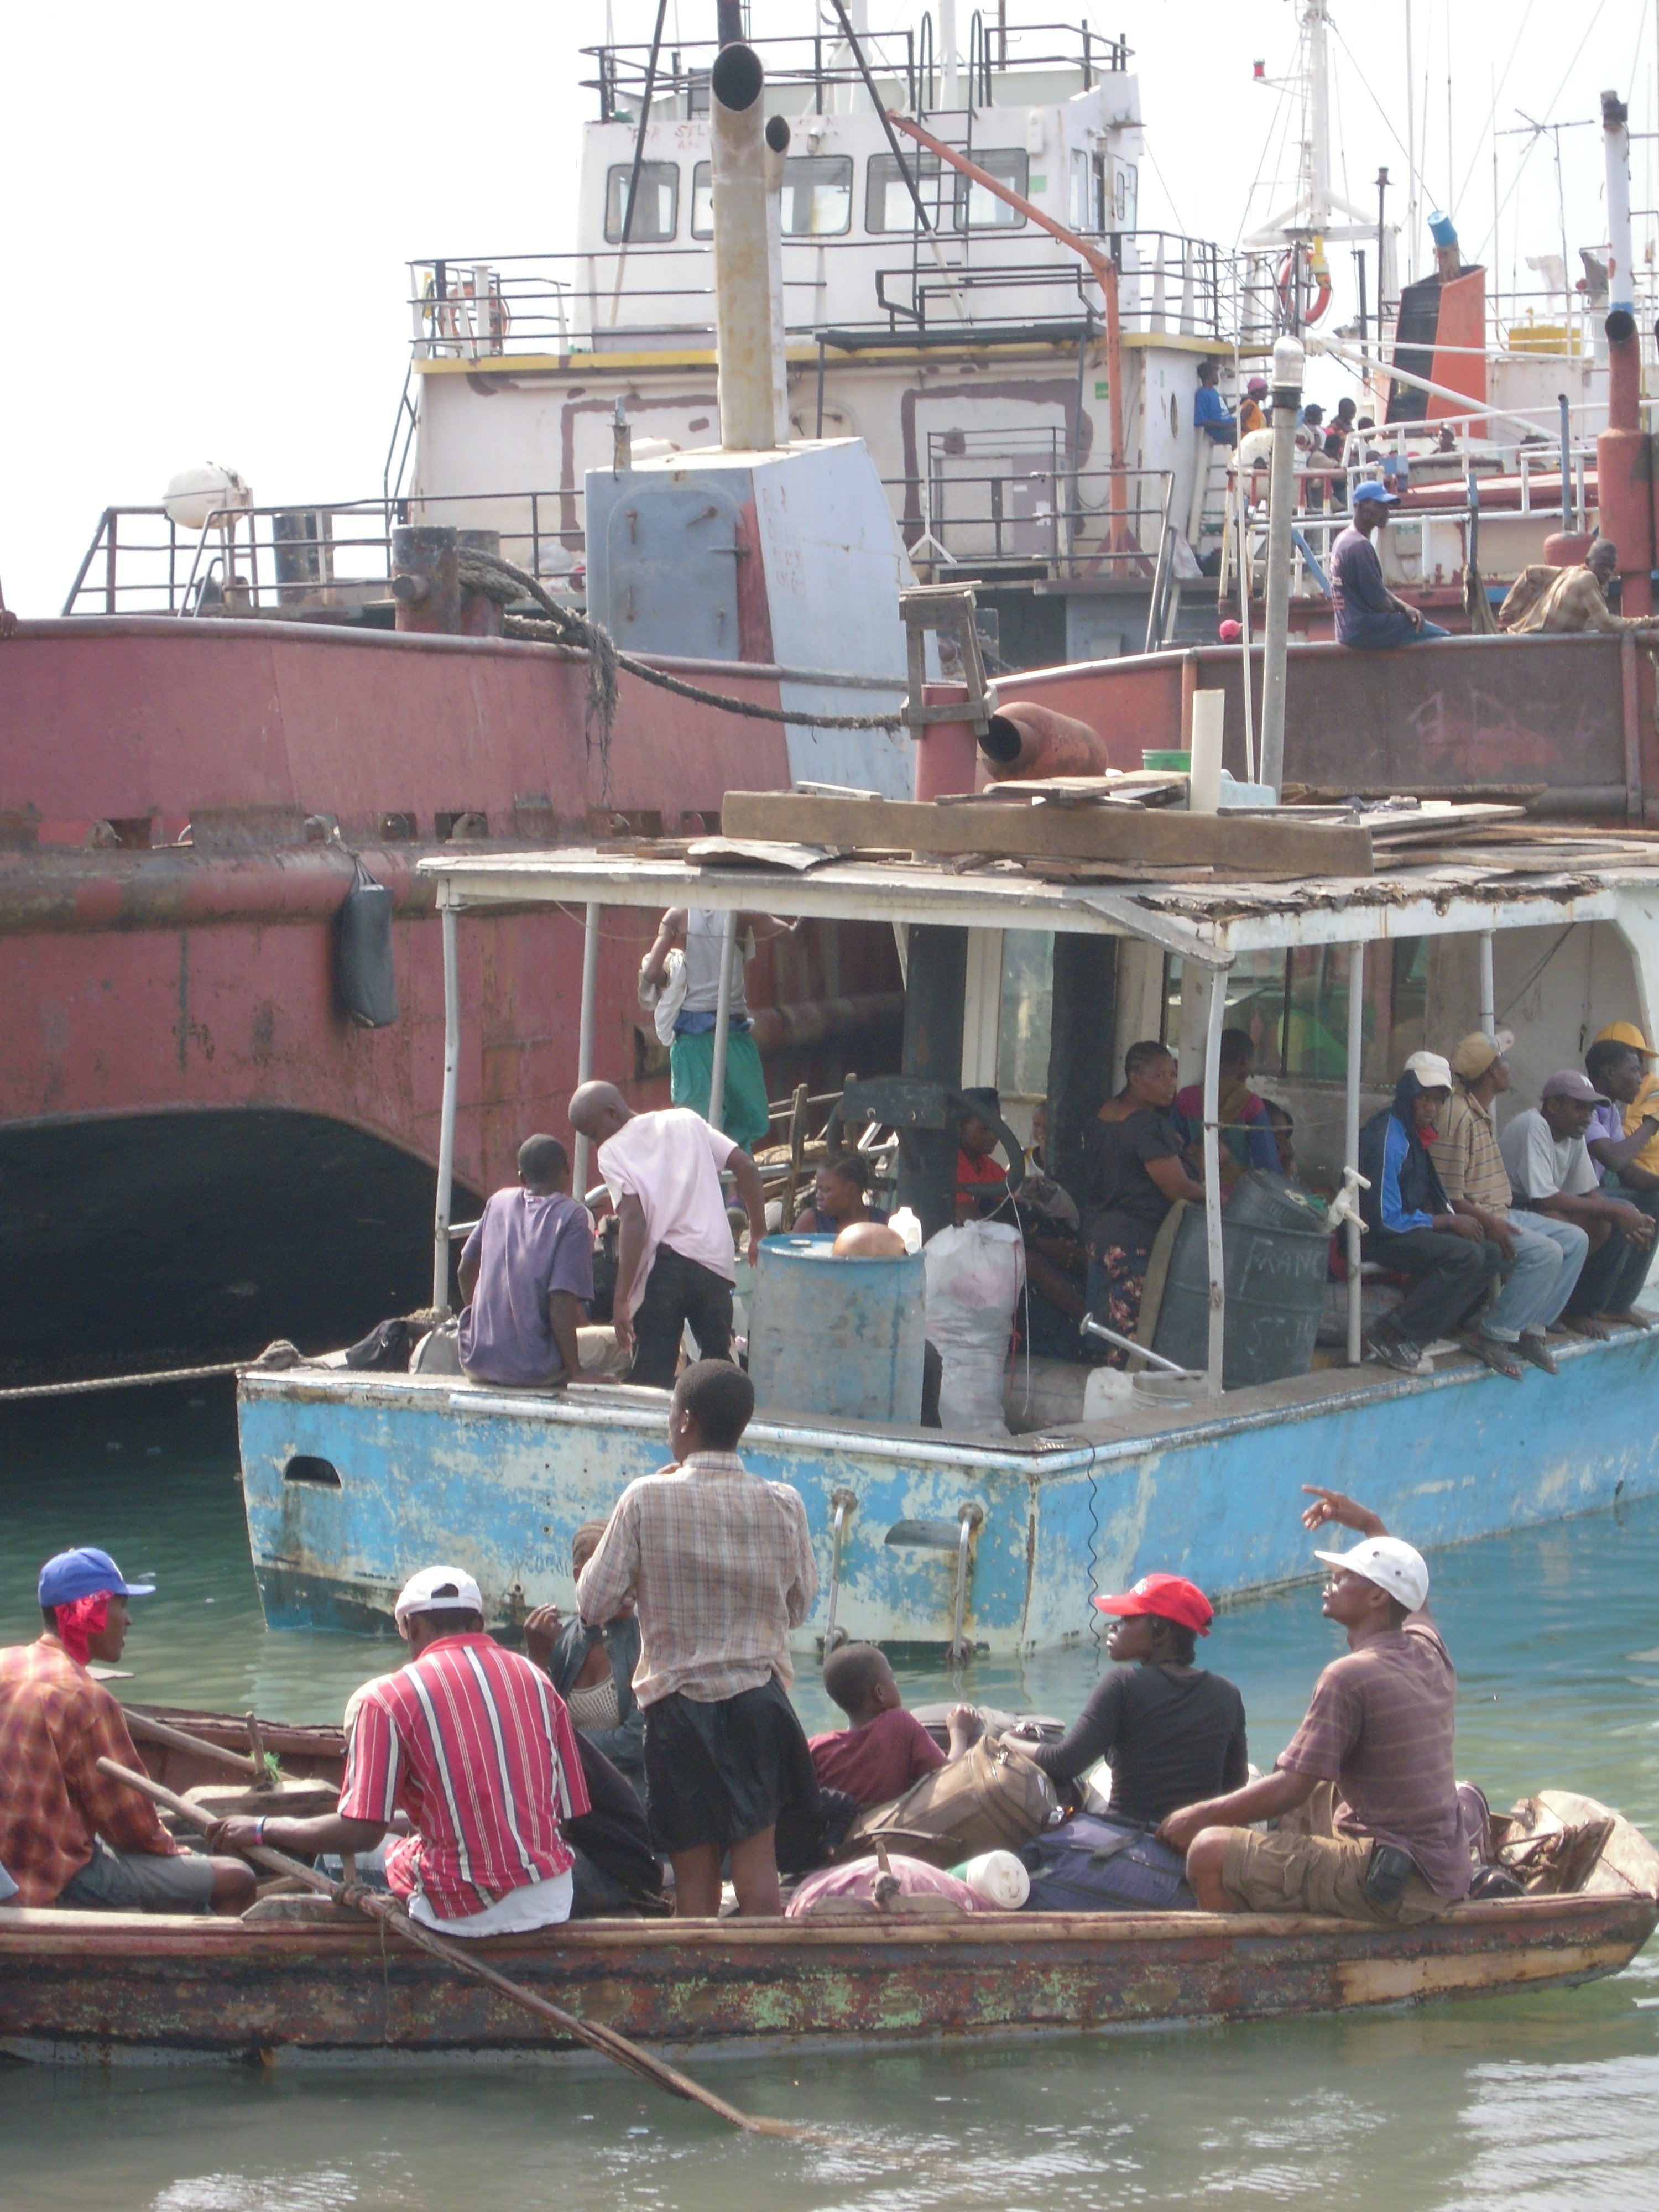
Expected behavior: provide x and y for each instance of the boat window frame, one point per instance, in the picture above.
(883, 174)
(844, 164)
(702, 193)
(1019, 179)
(653, 174)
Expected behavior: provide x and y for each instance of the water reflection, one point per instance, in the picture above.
(1502, 2106)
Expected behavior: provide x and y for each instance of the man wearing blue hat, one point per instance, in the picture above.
(69, 1836)
(1368, 615)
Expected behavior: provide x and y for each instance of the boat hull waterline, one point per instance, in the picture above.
(70, 1986)
(415, 1469)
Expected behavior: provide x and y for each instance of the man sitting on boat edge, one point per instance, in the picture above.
(475, 1745)
(1380, 1730)
(527, 1275)
(69, 1836)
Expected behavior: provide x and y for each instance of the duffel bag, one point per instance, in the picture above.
(992, 1798)
(1090, 1865)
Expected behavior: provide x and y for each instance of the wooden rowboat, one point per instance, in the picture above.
(303, 1975)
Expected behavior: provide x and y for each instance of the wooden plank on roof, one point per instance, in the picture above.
(1265, 848)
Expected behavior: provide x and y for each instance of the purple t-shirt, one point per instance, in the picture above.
(526, 1245)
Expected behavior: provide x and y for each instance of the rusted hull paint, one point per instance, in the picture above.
(500, 1481)
(129, 1982)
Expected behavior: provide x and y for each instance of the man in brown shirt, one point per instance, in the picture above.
(1543, 1255)
(1380, 1730)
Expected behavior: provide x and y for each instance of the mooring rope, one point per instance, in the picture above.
(487, 574)
(120, 1382)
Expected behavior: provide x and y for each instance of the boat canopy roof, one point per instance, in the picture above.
(1540, 877)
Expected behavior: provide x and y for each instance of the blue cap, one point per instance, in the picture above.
(83, 1573)
(1377, 494)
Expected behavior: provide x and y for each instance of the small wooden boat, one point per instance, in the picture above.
(300, 1974)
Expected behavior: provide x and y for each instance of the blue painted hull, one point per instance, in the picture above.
(498, 1484)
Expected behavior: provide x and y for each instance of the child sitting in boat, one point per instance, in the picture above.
(70, 1837)
(1376, 1832)
(883, 1749)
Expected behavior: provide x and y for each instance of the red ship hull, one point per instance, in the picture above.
(197, 1147)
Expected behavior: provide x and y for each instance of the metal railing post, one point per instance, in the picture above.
(722, 1019)
(1213, 1024)
(585, 1033)
(1350, 1139)
(447, 1114)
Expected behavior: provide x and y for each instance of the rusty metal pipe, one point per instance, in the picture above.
(1101, 266)
(426, 580)
(744, 335)
(1024, 740)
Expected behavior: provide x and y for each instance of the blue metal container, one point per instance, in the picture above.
(841, 1337)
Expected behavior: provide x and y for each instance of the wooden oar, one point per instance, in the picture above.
(597, 2036)
(150, 1730)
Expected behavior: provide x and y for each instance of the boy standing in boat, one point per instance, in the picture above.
(1379, 1732)
(720, 1566)
(475, 1745)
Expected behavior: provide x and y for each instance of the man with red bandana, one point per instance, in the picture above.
(70, 1836)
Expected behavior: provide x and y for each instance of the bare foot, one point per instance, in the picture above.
(1629, 1318)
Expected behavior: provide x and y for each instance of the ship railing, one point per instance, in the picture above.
(1017, 502)
(1426, 548)
(659, 297)
(321, 563)
(821, 74)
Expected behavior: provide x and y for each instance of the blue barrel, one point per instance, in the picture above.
(1275, 1243)
(840, 1337)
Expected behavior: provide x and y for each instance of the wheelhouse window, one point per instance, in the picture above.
(978, 210)
(887, 203)
(656, 207)
(702, 201)
(818, 195)
(1295, 1006)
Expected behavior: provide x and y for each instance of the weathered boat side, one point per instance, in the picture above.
(428, 1470)
(226, 1988)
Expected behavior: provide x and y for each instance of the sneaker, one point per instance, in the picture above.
(1498, 1355)
(1396, 1352)
(1534, 1349)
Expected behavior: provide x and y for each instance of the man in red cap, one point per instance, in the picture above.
(1172, 1732)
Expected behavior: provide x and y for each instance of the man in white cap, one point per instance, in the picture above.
(1379, 1732)
(1552, 1172)
(475, 1746)
(1544, 1255)
(1446, 1256)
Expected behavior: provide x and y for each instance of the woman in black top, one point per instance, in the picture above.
(1135, 1169)
(1172, 1733)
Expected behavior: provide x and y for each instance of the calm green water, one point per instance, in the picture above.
(1548, 2100)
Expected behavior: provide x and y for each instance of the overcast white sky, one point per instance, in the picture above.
(209, 207)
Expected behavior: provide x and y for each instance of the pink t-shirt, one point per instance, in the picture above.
(671, 1162)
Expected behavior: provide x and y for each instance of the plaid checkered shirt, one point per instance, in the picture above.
(56, 1724)
(721, 1566)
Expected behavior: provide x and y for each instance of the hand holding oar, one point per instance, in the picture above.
(391, 1915)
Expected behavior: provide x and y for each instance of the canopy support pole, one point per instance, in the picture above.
(1351, 1136)
(722, 1019)
(1488, 988)
(585, 1034)
(1217, 1016)
(446, 1116)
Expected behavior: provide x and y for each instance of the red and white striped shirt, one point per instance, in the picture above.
(475, 1745)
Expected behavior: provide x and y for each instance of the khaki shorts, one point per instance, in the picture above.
(1281, 1873)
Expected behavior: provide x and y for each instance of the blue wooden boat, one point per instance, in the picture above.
(352, 1480)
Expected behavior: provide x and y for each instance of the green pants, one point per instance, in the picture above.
(691, 1068)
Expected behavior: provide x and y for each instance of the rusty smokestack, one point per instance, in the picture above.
(743, 287)
(1625, 491)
